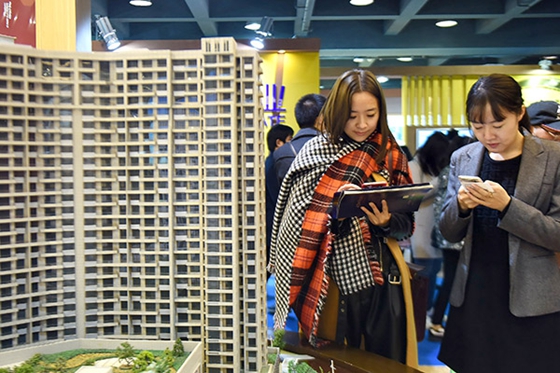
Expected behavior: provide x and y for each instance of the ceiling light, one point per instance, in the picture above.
(446, 23)
(266, 27)
(140, 2)
(545, 64)
(382, 79)
(107, 32)
(264, 31)
(253, 26)
(404, 59)
(361, 2)
(358, 59)
(257, 43)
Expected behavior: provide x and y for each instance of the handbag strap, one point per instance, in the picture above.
(411, 341)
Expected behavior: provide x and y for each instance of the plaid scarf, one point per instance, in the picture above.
(304, 254)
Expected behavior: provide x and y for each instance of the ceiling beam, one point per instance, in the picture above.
(436, 52)
(409, 9)
(512, 10)
(304, 11)
(438, 61)
(201, 13)
(370, 17)
(512, 59)
(396, 71)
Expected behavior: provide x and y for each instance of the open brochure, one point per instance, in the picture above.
(400, 198)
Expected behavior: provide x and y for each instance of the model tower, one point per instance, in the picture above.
(132, 199)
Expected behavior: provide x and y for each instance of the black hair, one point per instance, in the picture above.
(458, 142)
(278, 132)
(433, 156)
(502, 93)
(407, 152)
(308, 108)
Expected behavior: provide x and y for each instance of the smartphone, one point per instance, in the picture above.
(468, 180)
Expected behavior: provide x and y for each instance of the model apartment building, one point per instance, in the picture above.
(132, 199)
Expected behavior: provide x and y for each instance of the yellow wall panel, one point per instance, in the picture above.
(436, 101)
(300, 76)
(56, 24)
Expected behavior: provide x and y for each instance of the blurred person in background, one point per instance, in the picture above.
(545, 119)
(450, 250)
(306, 111)
(425, 167)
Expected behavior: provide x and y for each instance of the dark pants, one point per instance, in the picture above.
(431, 269)
(450, 259)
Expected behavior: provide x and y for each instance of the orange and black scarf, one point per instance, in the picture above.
(301, 242)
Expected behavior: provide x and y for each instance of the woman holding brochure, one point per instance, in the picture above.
(319, 261)
(505, 301)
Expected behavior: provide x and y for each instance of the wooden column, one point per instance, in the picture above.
(63, 25)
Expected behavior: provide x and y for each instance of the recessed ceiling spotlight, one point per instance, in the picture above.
(140, 2)
(404, 59)
(382, 79)
(281, 51)
(257, 43)
(361, 2)
(446, 23)
(358, 59)
(253, 26)
(545, 64)
(550, 57)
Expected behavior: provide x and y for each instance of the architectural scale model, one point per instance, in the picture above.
(132, 199)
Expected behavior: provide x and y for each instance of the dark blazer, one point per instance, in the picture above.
(285, 155)
(532, 222)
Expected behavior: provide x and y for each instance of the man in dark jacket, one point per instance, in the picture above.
(306, 111)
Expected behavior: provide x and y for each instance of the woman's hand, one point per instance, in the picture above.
(465, 201)
(498, 199)
(348, 187)
(376, 217)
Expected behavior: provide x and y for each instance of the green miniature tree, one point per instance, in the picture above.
(126, 352)
(278, 340)
(143, 359)
(168, 357)
(178, 349)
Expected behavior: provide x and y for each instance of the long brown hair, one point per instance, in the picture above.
(337, 109)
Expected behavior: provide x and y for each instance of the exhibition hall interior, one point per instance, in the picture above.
(133, 141)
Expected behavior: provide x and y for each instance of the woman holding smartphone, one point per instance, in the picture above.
(505, 302)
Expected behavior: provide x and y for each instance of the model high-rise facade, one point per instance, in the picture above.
(132, 199)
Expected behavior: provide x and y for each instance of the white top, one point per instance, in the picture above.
(421, 239)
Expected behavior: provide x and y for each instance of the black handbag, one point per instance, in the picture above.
(419, 289)
(387, 317)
